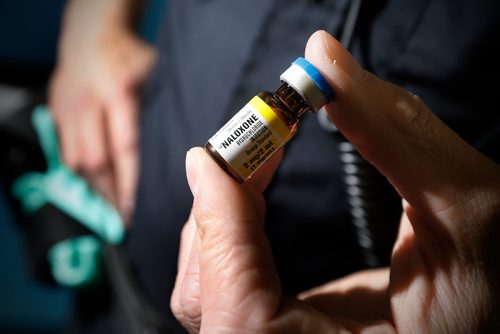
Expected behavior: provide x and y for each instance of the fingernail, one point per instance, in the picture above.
(191, 172)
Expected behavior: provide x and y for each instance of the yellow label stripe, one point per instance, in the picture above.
(270, 116)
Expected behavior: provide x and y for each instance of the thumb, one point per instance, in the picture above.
(431, 166)
(238, 280)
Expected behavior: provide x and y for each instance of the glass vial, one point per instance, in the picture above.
(268, 121)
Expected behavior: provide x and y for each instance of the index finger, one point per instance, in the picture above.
(122, 118)
(431, 166)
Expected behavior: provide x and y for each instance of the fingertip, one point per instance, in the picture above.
(314, 43)
(203, 172)
(341, 71)
(191, 170)
(196, 165)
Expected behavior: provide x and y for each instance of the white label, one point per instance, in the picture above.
(250, 137)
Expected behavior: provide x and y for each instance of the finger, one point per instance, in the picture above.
(64, 108)
(83, 147)
(70, 149)
(238, 280)
(80, 123)
(94, 162)
(103, 183)
(361, 297)
(185, 300)
(432, 168)
(123, 137)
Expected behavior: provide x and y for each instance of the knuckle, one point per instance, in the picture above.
(125, 145)
(186, 307)
(412, 109)
(71, 161)
(69, 155)
(86, 163)
(210, 225)
(191, 310)
(93, 164)
(366, 77)
(203, 217)
(176, 307)
(417, 127)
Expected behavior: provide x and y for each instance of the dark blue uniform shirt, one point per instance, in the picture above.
(217, 54)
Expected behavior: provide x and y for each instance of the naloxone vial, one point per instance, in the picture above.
(269, 121)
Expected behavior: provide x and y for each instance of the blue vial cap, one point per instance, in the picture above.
(316, 77)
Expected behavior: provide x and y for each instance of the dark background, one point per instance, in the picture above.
(29, 31)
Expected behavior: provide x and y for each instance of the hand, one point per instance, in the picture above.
(445, 266)
(93, 97)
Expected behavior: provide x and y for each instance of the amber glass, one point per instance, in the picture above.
(287, 104)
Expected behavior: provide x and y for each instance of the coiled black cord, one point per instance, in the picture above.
(373, 203)
(373, 207)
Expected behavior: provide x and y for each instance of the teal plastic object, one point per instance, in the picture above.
(75, 262)
(65, 190)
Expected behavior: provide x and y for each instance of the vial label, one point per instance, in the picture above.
(250, 137)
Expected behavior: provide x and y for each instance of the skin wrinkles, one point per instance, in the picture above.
(440, 280)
